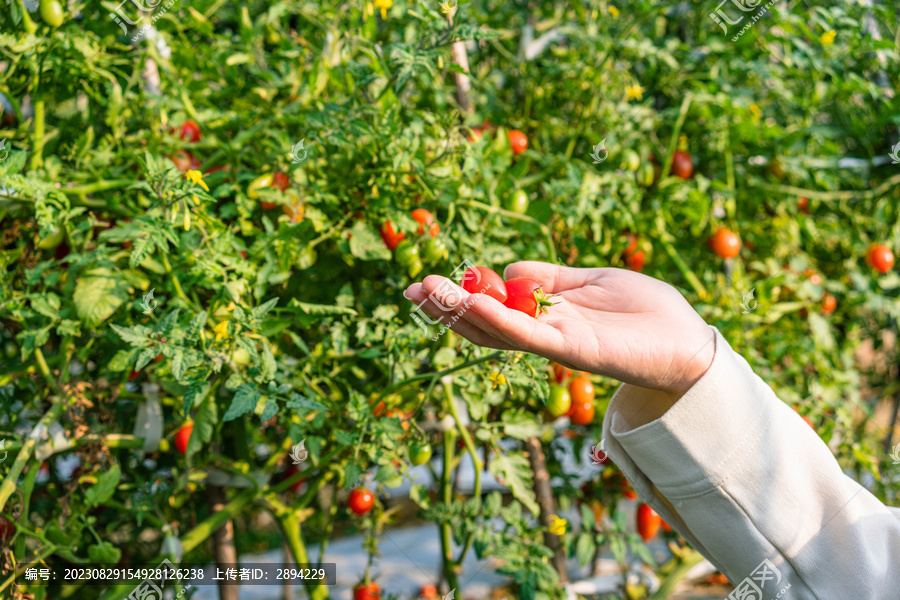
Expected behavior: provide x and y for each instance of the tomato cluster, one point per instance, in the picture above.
(407, 253)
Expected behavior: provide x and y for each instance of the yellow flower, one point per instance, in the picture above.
(221, 330)
(498, 379)
(383, 5)
(448, 6)
(634, 92)
(757, 114)
(557, 525)
(827, 38)
(230, 306)
(614, 11)
(197, 178)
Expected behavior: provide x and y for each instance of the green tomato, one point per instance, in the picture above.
(10, 349)
(407, 253)
(645, 174)
(560, 401)
(52, 12)
(631, 160)
(518, 202)
(435, 250)
(419, 454)
(240, 357)
(53, 240)
(263, 181)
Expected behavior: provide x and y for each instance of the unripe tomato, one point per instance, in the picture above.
(518, 141)
(183, 436)
(361, 500)
(435, 250)
(559, 402)
(482, 280)
(635, 261)
(263, 181)
(646, 174)
(406, 253)
(517, 203)
(295, 208)
(631, 160)
(53, 240)
(367, 591)
(419, 454)
(648, 522)
(52, 12)
(880, 258)
(391, 238)
(725, 243)
(190, 131)
(682, 165)
(425, 218)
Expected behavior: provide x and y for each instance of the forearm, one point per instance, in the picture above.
(747, 480)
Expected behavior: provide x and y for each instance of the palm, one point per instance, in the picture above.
(608, 321)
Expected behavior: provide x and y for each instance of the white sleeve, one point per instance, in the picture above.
(745, 480)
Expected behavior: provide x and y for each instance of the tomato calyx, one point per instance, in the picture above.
(543, 301)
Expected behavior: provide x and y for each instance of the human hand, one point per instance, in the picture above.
(613, 322)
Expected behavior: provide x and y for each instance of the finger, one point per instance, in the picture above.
(514, 328)
(553, 278)
(418, 295)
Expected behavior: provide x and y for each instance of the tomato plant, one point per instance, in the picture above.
(137, 296)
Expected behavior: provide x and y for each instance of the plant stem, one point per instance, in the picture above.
(544, 495)
(291, 522)
(30, 26)
(881, 190)
(673, 142)
(37, 157)
(447, 562)
(178, 291)
(439, 374)
(9, 482)
(685, 563)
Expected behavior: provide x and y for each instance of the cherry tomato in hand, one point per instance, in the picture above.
(482, 280)
(361, 500)
(183, 436)
(725, 243)
(526, 295)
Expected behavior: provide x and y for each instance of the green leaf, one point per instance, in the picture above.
(366, 244)
(244, 401)
(204, 425)
(520, 425)
(585, 548)
(31, 339)
(121, 360)
(105, 487)
(97, 295)
(137, 335)
(104, 553)
(515, 470)
(178, 364)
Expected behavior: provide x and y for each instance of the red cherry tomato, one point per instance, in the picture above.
(289, 473)
(829, 303)
(7, 529)
(518, 141)
(190, 131)
(391, 238)
(361, 500)
(560, 373)
(582, 413)
(665, 526)
(632, 241)
(635, 261)
(367, 591)
(425, 218)
(803, 205)
(725, 243)
(648, 522)
(582, 391)
(526, 295)
(627, 491)
(482, 280)
(183, 436)
(280, 180)
(682, 165)
(880, 258)
(814, 278)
